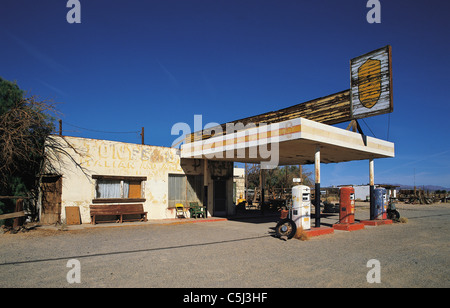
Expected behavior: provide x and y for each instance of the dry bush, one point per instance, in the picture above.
(23, 130)
(301, 234)
(403, 220)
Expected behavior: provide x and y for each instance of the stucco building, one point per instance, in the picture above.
(90, 171)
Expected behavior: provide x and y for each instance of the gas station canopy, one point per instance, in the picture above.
(289, 143)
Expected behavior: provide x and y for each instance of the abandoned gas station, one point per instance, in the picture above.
(111, 175)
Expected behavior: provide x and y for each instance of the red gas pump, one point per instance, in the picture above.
(347, 205)
(347, 211)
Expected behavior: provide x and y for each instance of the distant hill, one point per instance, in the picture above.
(424, 187)
(400, 186)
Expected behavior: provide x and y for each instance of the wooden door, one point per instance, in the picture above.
(51, 199)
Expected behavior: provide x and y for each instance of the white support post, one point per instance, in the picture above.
(372, 187)
(317, 185)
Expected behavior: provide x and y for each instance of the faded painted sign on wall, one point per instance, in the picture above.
(102, 155)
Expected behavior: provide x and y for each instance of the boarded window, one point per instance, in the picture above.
(177, 190)
(135, 190)
(194, 189)
(185, 189)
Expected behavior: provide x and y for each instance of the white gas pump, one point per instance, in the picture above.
(299, 214)
(301, 206)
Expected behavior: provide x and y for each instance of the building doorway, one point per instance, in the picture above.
(220, 198)
(51, 199)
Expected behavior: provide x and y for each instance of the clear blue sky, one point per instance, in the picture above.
(155, 63)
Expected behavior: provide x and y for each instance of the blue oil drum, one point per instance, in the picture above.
(379, 195)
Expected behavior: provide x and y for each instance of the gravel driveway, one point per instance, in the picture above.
(234, 254)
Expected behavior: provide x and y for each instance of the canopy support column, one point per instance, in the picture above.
(317, 185)
(205, 186)
(372, 187)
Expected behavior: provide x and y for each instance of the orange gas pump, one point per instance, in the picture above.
(347, 211)
(347, 205)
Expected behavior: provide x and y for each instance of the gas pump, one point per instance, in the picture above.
(299, 213)
(385, 204)
(379, 195)
(347, 205)
(347, 211)
(301, 206)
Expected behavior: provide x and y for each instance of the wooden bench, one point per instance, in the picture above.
(118, 210)
(196, 210)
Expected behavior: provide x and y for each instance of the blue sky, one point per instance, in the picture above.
(155, 63)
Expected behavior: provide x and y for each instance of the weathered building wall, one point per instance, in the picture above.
(109, 158)
(362, 192)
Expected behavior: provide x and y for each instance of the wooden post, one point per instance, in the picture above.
(262, 181)
(142, 136)
(317, 185)
(286, 181)
(246, 183)
(60, 127)
(18, 221)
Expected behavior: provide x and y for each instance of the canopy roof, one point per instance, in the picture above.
(290, 142)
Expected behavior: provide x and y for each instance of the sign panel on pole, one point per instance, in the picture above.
(371, 83)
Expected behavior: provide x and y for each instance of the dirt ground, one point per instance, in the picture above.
(235, 253)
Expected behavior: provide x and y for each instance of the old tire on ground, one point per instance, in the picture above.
(394, 215)
(286, 227)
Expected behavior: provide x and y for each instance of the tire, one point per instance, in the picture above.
(286, 227)
(394, 215)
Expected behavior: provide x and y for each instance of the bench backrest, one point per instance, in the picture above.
(97, 209)
(196, 208)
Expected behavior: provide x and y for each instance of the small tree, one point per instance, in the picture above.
(277, 178)
(25, 124)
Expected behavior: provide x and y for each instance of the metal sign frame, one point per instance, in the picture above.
(371, 83)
